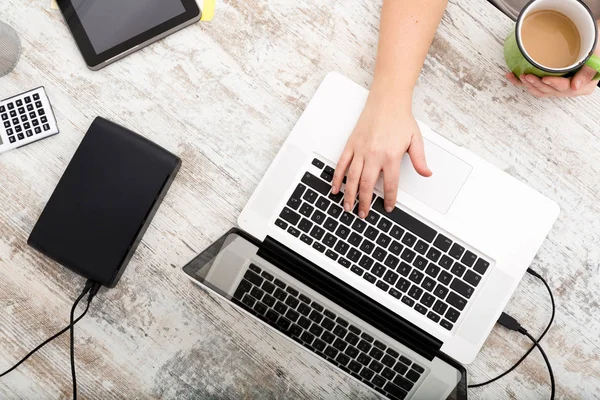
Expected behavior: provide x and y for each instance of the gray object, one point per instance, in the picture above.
(512, 8)
(10, 49)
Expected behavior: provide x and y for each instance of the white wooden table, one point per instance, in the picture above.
(223, 95)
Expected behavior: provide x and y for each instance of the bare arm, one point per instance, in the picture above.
(386, 128)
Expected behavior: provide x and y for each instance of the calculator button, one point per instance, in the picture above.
(27, 99)
(44, 120)
(35, 122)
(15, 121)
(32, 114)
(18, 128)
(38, 104)
(46, 127)
(4, 117)
(19, 103)
(41, 111)
(7, 124)
(2, 109)
(29, 107)
(13, 114)
(29, 133)
(26, 125)
(12, 139)
(11, 106)
(20, 136)
(9, 131)
(38, 130)
(36, 96)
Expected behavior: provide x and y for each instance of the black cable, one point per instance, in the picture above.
(536, 344)
(85, 291)
(531, 272)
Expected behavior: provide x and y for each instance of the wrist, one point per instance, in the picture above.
(386, 94)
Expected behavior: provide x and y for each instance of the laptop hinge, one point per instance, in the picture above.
(350, 299)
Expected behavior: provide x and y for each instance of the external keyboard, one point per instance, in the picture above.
(322, 331)
(400, 254)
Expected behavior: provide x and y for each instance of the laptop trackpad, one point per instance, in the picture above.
(439, 190)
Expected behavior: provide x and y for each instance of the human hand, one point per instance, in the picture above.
(555, 86)
(384, 132)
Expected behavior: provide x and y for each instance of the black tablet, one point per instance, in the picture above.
(107, 30)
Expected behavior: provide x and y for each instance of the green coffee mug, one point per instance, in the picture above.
(519, 61)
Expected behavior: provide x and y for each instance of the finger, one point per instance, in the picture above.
(354, 174)
(368, 180)
(513, 79)
(391, 178)
(533, 90)
(583, 77)
(340, 169)
(558, 83)
(416, 151)
(539, 85)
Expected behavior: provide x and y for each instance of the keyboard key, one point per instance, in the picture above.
(427, 299)
(400, 368)
(396, 248)
(472, 278)
(384, 225)
(284, 323)
(456, 251)
(287, 215)
(372, 218)
(403, 285)
(406, 221)
(468, 259)
(249, 301)
(404, 269)
(316, 183)
(35, 122)
(280, 294)
(342, 359)
(432, 270)
(415, 292)
(257, 293)
(367, 374)
(371, 233)
(382, 285)
(355, 239)
(403, 383)
(336, 198)
(317, 232)
(379, 254)
(319, 247)
(447, 325)
(318, 217)
(328, 323)
(420, 308)
(341, 247)
(253, 277)
(319, 345)
(433, 316)
(440, 307)
(428, 284)
(481, 266)
(307, 337)
(378, 270)
(346, 218)
(20, 136)
(452, 314)
(458, 269)
(11, 106)
(378, 380)
(343, 262)
(442, 242)
(359, 225)
(456, 301)
(421, 247)
(390, 277)
(269, 300)
(413, 375)
(328, 337)
(9, 131)
(462, 288)
(293, 231)
(391, 261)
(354, 255)
(342, 232)
(318, 163)
(306, 209)
(327, 177)
(322, 203)
(292, 315)
(445, 278)
(416, 276)
(408, 255)
(305, 225)
(420, 262)
(331, 255)
(396, 232)
(440, 291)
(383, 240)
(433, 254)
(369, 278)
(366, 262)
(310, 195)
(21, 110)
(330, 224)
(394, 293)
(36, 96)
(367, 247)
(242, 289)
(408, 301)
(335, 211)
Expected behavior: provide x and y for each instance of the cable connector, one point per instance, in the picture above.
(510, 323)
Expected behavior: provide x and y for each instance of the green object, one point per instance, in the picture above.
(519, 65)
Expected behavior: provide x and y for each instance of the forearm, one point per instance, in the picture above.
(406, 32)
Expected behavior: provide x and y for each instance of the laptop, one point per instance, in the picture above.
(398, 300)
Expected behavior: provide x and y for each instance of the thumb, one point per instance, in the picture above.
(583, 77)
(416, 151)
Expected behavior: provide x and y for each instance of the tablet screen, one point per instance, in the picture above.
(108, 23)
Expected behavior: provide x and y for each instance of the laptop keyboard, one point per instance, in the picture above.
(401, 255)
(328, 335)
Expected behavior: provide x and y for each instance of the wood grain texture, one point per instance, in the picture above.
(224, 95)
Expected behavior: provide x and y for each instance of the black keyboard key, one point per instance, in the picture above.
(280, 294)
(447, 325)
(446, 262)
(472, 278)
(242, 289)
(384, 225)
(342, 359)
(281, 224)
(44, 120)
(456, 301)
(318, 163)
(293, 231)
(378, 380)
(292, 301)
(36, 96)
(249, 300)
(379, 254)
(367, 374)
(418, 368)
(433, 254)
(284, 324)
(352, 338)
(382, 285)
(306, 239)
(260, 308)
(335, 211)
(363, 359)
(376, 353)
(280, 308)
(440, 291)
(328, 323)
(290, 216)
(413, 375)
(367, 247)
(269, 300)
(354, 366)
(253, 277)
(458, 269)
(316, 330)
(481, 266)
(272, 316)
(307, 337)
(354, 255)
(306, 209)
(394, 293)
(336, 198)
(329, 314)
(319, 247)
(408, 255)
(395, 391)
(462, 288)
(432, 270)
(404, 269)
(268, 287)
(403, 285)
(415, 292)
(304, 322)
(322, 203)
(408, 301)
(468, 258)
(343, 262)
(292, 315)
(445, 277)
(383, 240)
(433, 316)
(340, 331)
(427, 299)
(421, 309)
(257, 293)
(406, 221)
(372, 218)
(416, 276)
(316, 316)
(421, 247)
(396, 232)
(317, 232)
(388, 374)
(328, 337)
(319, 345)
(342, 322)
(359, 225)
(364, 346)
(428, 284)
(440, 307)
(357, 270)
(355, 239)
(400, 368)
(391, 261)
(366, 262)
(378, 270)
(442, 242)
(329, 240)
(310, 196)
(316, 183)
(369, 278)
(305, 225)
(371, 233)
(420, 263)
(330, 224)
(346, 218)
(331, 255)
(456, 251)
(317, 306)
(339, 344)
(452, 314)
(342, 232)
(390, 277)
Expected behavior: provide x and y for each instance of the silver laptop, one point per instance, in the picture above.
(396, 300)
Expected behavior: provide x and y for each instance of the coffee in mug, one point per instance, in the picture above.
(551, 38)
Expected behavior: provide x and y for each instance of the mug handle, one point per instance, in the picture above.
(594, 62)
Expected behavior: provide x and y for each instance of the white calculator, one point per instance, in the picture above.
(26, 118)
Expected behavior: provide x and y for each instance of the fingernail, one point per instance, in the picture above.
(347, 206)
(577, 84)
(362, 214)
(334, 189)
(522, 77)
(389, 209)
(530, 79)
